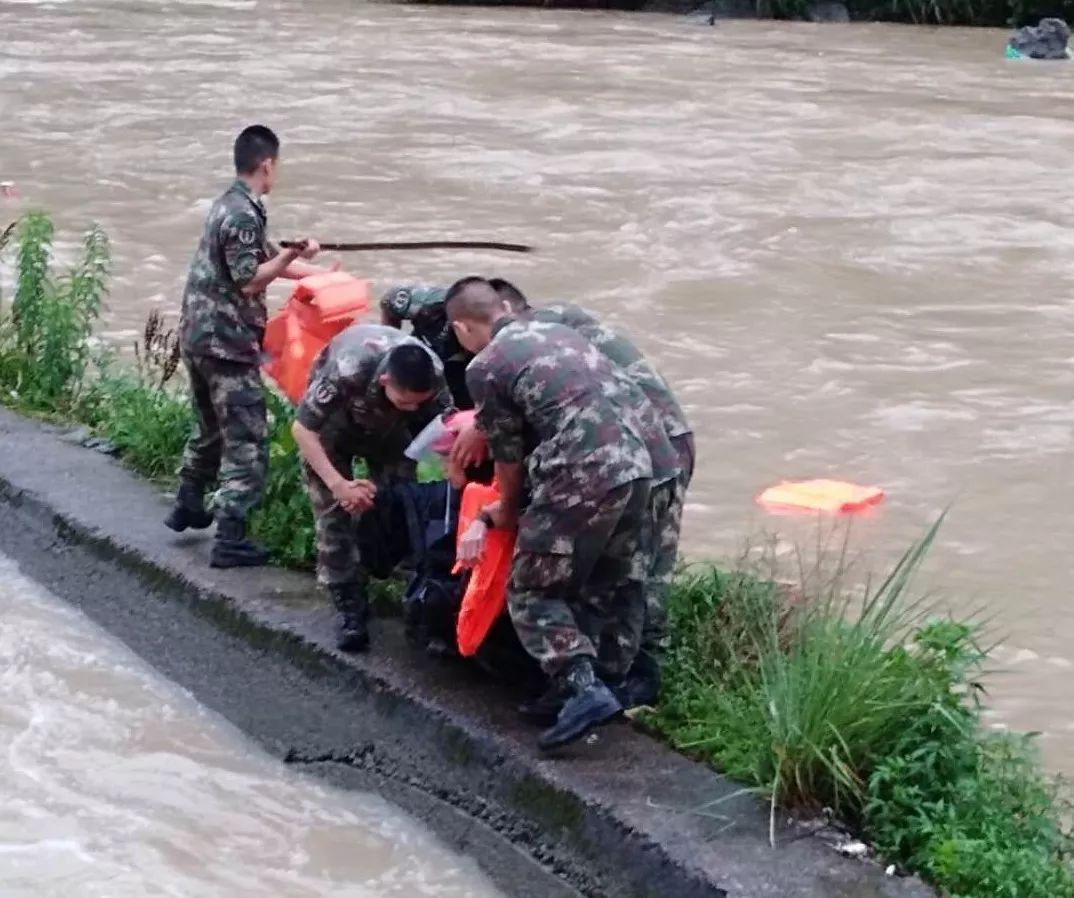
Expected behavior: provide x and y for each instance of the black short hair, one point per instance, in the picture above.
(472, 298)
(411, 367)
(256, 144)
(510, 294)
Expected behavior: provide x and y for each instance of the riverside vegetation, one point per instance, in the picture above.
(818, 696)
(982, 13)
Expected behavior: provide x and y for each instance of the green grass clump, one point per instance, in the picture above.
(148, 424)
(870, 708)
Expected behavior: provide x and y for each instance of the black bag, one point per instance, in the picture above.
(414, 524)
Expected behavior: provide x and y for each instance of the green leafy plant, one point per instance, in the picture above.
(148, 425)
(870, 707)
(45, 340)
(971, 810)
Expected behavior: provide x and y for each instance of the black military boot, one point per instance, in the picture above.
(352, 617)
(589, 704)
(641, 688)
(231, 548)
(189, 510)
(543, 709)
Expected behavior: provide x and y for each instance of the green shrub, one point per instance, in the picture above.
(44, 341)
(870, 709)
(148, 424)
(972, 811)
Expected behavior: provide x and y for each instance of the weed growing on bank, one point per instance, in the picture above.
(46, 327)
(866, 706)
(871, 708)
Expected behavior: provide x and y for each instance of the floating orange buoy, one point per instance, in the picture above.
(821, 495)
(319, 307)
(486, 593)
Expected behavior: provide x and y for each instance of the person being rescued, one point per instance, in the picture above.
(415, 527)
(592, 447)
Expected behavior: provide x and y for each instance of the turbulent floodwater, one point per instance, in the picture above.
(848, 248)
(117, 783)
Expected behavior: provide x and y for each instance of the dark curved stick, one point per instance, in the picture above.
(421, 244)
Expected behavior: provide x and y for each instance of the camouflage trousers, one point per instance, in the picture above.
(576, 590)
(339, 558)
(229, 444)
(660, 539)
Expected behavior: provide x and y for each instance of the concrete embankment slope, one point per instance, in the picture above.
(622, 817)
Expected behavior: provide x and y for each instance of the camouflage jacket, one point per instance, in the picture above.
(217, 320)
(346, 403)
(627, 356)
(545, 395)
(423, 307)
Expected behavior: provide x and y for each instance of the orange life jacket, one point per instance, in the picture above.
(821, 495)
(319, 307)
(486, 593)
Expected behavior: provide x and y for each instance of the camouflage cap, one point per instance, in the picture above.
(405, 300)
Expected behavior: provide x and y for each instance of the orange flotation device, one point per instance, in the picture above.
(821, 495)
(319, 307)
(486, 593)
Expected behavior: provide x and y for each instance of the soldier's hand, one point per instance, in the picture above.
(310, 248)
(470, 447)
(356, 496)
(472, 544)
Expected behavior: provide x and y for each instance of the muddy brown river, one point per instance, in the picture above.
(117, 784)
(848, 247)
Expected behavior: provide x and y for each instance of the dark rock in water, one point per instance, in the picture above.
(1048, 40)
(829, 12)
(711, 11)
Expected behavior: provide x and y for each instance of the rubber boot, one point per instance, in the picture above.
(543, 709)
(231, 548)
(352, 617)
(589, 704)
(189, 510)
(641, 688)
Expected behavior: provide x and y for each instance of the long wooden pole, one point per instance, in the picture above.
(419, 244)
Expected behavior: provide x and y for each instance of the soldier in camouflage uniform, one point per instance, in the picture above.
(545, 397)
(423, 307)
(221, 329)
(661, 535)
(370, 390)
